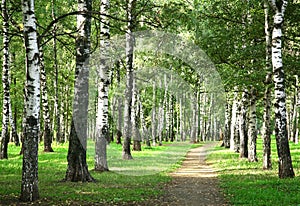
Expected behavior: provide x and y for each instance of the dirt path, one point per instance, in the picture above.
(194, 184)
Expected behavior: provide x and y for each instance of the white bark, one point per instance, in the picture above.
(153, 117)
(29, 185)
(234, 123)
(102, 126)
(129, 79)
(5, 83)
(285, 166)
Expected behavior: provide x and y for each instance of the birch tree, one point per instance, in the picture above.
(252, 131)
(5, 83)
(234, 133)
(102, 127)
(266, 130)
(46, 115)
(29, 185)
(77, 166)
(243, 126)
(285, 167)
(129, 79)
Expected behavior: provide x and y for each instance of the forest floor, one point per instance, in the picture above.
(195, 183)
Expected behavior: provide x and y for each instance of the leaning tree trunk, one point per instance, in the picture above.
(77, 166)
(129, 80)
(243, 125)
(102, 126)
(285, 167)
(252, 134)
(46, 116)
(5, 83)
(29, 185)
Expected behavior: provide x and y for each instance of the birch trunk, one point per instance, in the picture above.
(56, 114)
(160, 126)
(243, 126)
(153, 117)
(252, 133)
(13, 117)
(29, 185)
(5, 83)
(134, 119)
(77, 166)
(166, 109)
(227, 124)
(234, 124)
(285, 167)
(181, 120)
(266, 130)
(45, 105)
(129, 80)
(143, 122)
(102, 125)
(120, 114)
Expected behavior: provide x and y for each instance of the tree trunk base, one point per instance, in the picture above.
(127, 156)
(137, 145)
(101, 169)
(48, 149)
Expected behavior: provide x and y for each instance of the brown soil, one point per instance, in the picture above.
(194, 184)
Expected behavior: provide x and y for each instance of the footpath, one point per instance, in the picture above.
(194, 184)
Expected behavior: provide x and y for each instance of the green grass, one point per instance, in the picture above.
(129, 180)
(245, 183)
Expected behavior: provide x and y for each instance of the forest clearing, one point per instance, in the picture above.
(102, 101)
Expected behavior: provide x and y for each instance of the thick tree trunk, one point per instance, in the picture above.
(129, 80)
(243, 126)
(46, 116)
(102, 125)
(5, 83)
(29, 185)
(77, 166)
(285, 167)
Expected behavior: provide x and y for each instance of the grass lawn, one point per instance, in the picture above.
(245, 183)
(128, 181)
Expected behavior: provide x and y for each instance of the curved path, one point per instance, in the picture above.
(194, 184)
